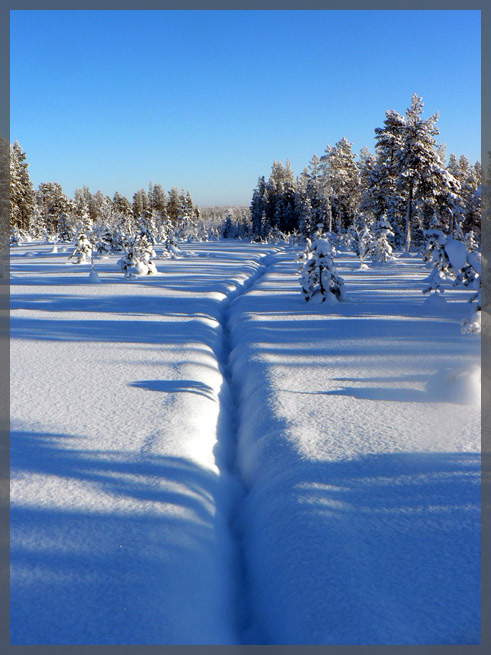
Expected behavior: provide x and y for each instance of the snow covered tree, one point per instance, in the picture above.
(174, 204)
(138, 256)
(21, 189)
(382, 197)
(228, 229)
(258, 207)
(453, 262)
(82, 250)
(381, 250)
(140, 204)
(317, 205)
(54, 206)
(319, 279)
(422, 179)
(363, 238)
(147, 227)
(342, 183)
(37, 225)
(172, 249)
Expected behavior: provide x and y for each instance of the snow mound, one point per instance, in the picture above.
(435, 301)
(472, 325)
(456, 252)
(456, 386)
(94, 277)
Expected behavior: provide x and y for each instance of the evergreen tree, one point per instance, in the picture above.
(54, 206)
(82, 250)
(140, 204)
(318, 209)
(342, 183)
(258, 207)
(21, 189)
(174, 205)
(381, 250)
(228, 229)
(422, 177)
(138, 257)
(124, 220)
(319, 278)
(382, 196)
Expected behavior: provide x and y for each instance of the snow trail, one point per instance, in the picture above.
(226, 452)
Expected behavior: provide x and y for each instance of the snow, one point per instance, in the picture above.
(456, 252)
(202, 457)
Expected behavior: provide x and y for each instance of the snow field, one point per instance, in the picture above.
(361, 521)
(201, 457)
(119, 510)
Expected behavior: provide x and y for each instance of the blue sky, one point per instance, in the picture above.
(207, 100)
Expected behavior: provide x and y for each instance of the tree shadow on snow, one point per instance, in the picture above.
(130, 574)
(382, 549)
(177, 386)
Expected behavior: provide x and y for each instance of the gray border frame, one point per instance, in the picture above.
(485, 645)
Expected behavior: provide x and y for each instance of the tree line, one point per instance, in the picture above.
(48, 211)
(406, 183)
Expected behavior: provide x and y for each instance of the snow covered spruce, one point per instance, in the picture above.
(319, 279)
(453, 261)
(138, 256)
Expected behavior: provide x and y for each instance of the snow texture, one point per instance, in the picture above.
(201, 457)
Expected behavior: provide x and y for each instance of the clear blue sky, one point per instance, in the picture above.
(207, 100)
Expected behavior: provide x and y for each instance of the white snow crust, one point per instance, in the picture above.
(202, 457)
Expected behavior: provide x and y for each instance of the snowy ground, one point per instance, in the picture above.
(201, 457)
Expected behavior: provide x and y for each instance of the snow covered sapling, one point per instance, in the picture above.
(452, 261)
(381, 250)
(470, 241)
(171, 245)
(137, 259)
(15, 236)
(435, 252)
(319, 279)
(470, 277)
(82, 250)
(101, 237)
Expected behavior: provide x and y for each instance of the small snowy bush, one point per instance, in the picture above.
(319, 278)
(82, 250)
(171, 246)
(137, 259)
(453, 261)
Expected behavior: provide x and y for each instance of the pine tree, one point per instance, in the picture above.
(319, 279)
(381, 250)
(319, 202)
(21, 189)
(174, 205)
(342, 183)
(138, 257)
(258, 207)
(82, 250)
(54, 205)
(422, 177)
(140, 204)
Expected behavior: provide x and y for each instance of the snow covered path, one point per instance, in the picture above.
(190, 467)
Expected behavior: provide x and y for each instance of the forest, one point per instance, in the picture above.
(406, 183)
